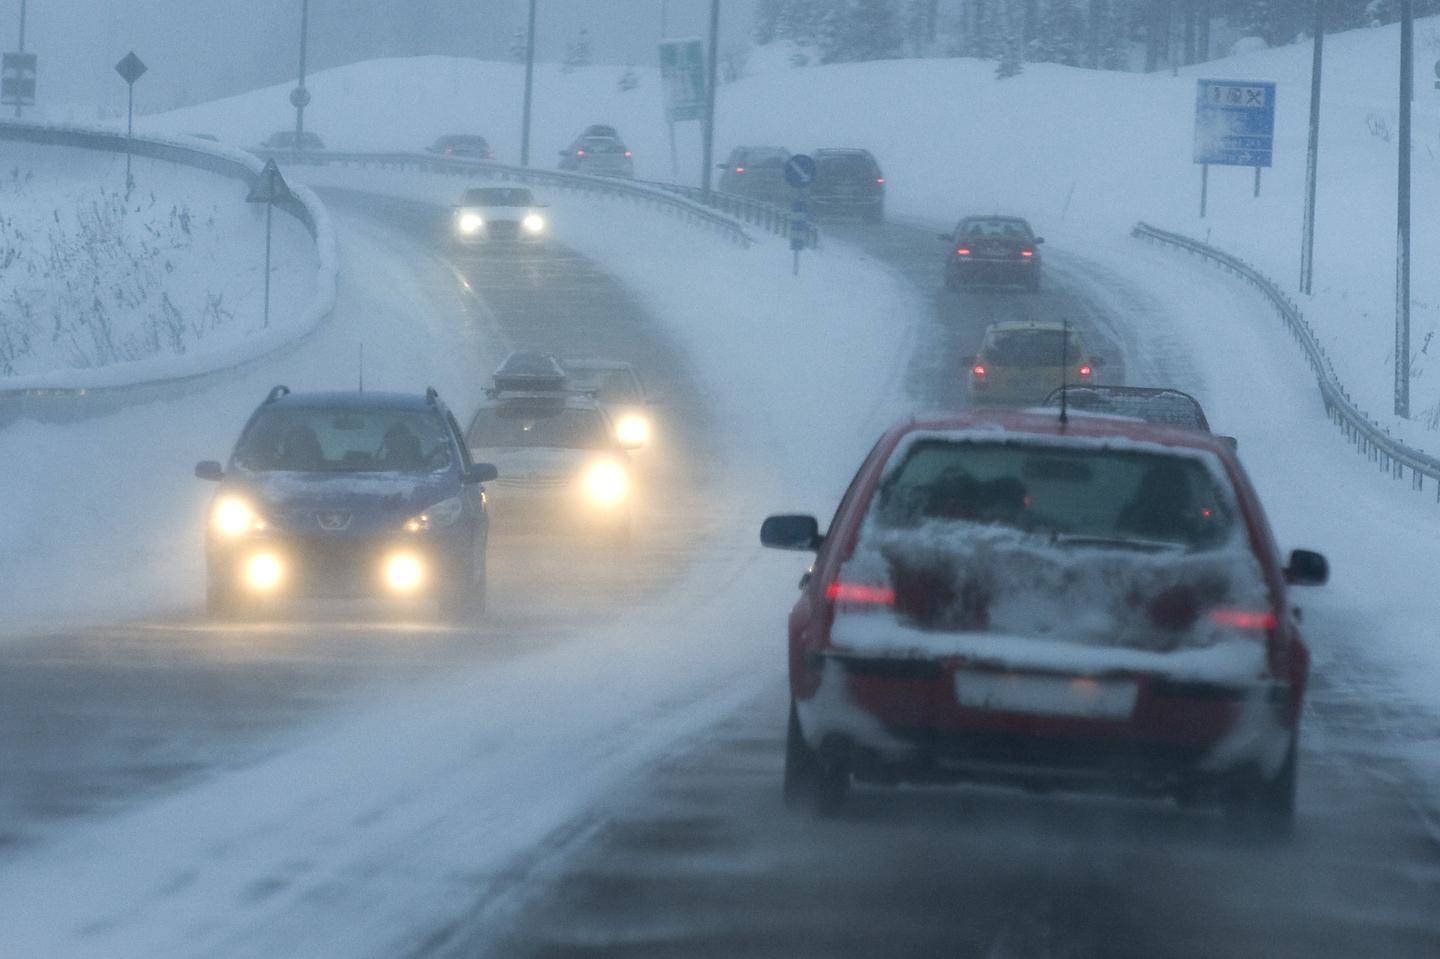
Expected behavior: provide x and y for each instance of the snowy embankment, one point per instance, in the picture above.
(370, 833)
(1056, 144)
(98, 289)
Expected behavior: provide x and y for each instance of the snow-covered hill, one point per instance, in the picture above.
(1092, 149)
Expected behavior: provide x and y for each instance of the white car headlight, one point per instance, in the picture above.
(232, 516)
(470, 222)
(606, 483)
(442, 515)
(633, 430)
(533, 223)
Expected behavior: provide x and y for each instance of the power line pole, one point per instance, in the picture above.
(1312, 156)
(1402, 219)
(300, 97)
(708, 161)
(18, 108)
(529, 88)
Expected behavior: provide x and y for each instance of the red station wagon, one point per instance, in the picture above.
(1019, 598)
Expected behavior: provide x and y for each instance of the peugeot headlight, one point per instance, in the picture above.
(440, 516)
(633, 430)
(606, 483)
(533, 223)
(232, 516)
(470, 222)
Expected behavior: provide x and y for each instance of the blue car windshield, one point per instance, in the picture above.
(344, 441)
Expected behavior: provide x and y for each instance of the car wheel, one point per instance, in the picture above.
(1268, 804)
(810, 782)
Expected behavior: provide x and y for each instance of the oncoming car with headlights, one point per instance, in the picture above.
(348, 495)
(499, 214)
(621, 392)
(563, 466)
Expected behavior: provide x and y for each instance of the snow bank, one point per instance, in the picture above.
(99, 290)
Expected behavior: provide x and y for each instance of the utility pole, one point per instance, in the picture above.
(300, 97)
(529, 88)
(1312, 156)
(1402, 218)
(708, 161)
(18, 108)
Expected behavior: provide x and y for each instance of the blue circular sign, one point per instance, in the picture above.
(799, 171)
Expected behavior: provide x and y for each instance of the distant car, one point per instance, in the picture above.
(1011, 599)
(1024, 361)
(1153, 404)
(619, 389)
(756, 172)
(347, 494)
(462, 145)
(564, 468)
(993, 249)
(598, 154)
(499, 214)
(849, 182)
(285, 140)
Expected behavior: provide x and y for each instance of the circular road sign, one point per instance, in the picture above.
(299, 98)
(799, 171)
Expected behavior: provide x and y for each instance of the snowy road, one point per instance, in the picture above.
(701, 859)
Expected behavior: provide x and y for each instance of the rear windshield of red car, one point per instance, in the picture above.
(1108, 497)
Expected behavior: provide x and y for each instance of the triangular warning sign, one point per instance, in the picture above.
(270, 186)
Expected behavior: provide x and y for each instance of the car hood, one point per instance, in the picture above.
(381, 493)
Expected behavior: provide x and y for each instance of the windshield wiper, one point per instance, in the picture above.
(1117, 542)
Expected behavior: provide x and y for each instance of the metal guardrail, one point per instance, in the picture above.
(726, 213)
(1369, 437)
(72, 403)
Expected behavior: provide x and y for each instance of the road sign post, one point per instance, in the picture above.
(270, 188)
(529, 87)
(1312, 156)
(1402, 214)
(300, 97)
(131, 68)
(1234, 126)
(707, 164)
(17, 81)
(799, 173)
(682, 80)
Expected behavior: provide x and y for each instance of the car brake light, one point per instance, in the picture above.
(739, 169)
(579, 153)
(860, 594)
(627, 153)
(962, 251)
(1027, 252)
(979, 371)
(1258, 619)
(880, 180)
(1085, 370)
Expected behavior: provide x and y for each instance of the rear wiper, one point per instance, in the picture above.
(1117, 542)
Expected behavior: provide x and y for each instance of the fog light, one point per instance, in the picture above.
(606, 483)
(263, 572)
(404, 573)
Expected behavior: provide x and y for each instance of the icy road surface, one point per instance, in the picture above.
(700, 858)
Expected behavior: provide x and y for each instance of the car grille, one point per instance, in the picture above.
(504, 229)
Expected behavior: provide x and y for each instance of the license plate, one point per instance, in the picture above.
(1073, 696)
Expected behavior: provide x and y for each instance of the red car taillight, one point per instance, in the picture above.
(1085, 370)
(739, 169)
(860, 594)
(962, 251)
(1262, 620)
(979, 371)
(1027, 253)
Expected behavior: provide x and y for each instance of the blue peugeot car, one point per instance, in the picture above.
(350, 495)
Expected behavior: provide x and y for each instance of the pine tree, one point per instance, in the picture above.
(577, 51)
(1011, 63)
(767, 21)
(855, 30)
(518, 46)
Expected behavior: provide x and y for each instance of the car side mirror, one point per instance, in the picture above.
(481, 473)
(1039, 240)
(1229, 441)
(722, 166)
(566, 153)
(791, 531)
(943, 237)
(1307, 568)
(209, 470)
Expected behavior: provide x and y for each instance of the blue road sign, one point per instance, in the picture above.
(799, 171)
(1234, 122)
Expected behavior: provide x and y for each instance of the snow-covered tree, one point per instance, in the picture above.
(1011, 62)
(577, 51)
(629, 80)
(518, 46)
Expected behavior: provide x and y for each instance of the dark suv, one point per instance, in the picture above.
(348, 494)
(848, 182)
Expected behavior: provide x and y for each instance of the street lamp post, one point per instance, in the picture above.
(708, 169)
(300, 97)
(19, 110)
(1402, 218)
(1312, 156)
(529, 88)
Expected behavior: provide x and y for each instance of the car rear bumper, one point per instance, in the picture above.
(993, 271)
(895, 720)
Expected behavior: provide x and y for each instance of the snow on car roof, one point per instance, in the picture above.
(1044, 425)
